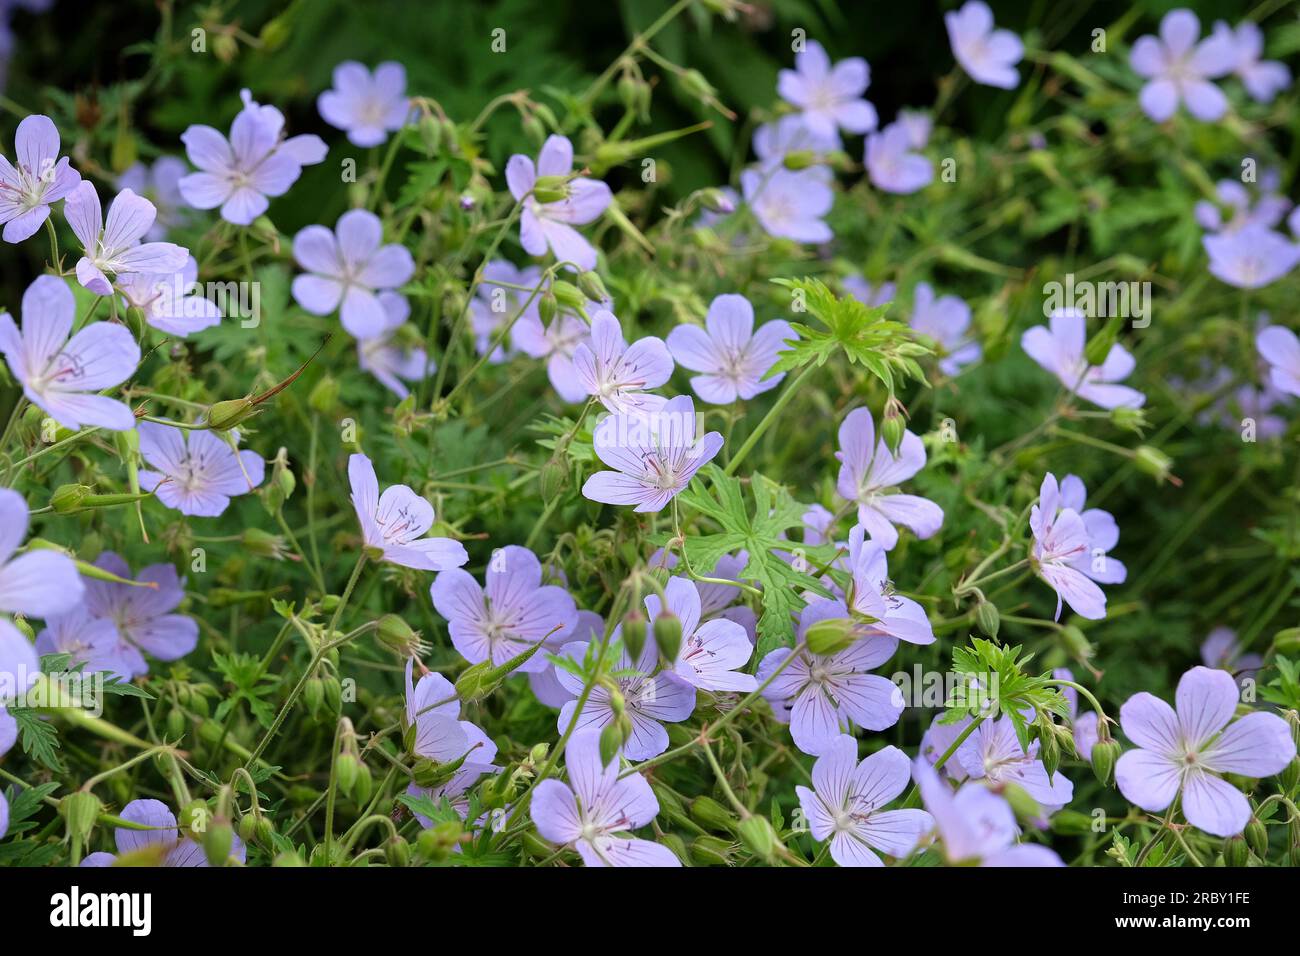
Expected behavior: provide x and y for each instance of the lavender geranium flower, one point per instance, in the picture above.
(789, 204)
(975, 825)
(732, 357)
(496, 304)
(1280, 348)
(557, 343)
(845, 800)
(172, 303)
(873, 595)
(197, 473)
(40, 178)
(711, 653)
(433, 725)
(1185, 751)
(1222, 650)
(1267, 210)
(618, 374)
(545, 684)
(1059, 348)
(549, 225)
(1178, 69)
(987, 55)
(791, 134)
(512, 611)
(142, 615)
(161, 837)
(828, 96)
(1263, 79)
(946, 320)
(394, 523)
(89, 640)
(389, 360)
(595, 807)
(114, 245)
(160, 184)
(655, 455)
(1252, 257)
(258, 161)
(993, 754)
(367, 106)
(824, 695)
(892, 165)
(866, 293)
(1070, 546)
(345, 270)
(62, 375)
(651, 697)
(869, 472)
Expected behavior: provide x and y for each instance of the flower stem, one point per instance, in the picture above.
(791, 389)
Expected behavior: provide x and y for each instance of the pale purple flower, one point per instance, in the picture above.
(844, 804)
(711, 653)
(1221, 649)
(892, 164)
(62, 375)
(731, 356)
(1059, 348)
(595, 806)
(1266, 211)
(987, 55)
(160, 184)
(1250, 258)
(557, 343)
(993, 754)
(789, 204)
(495, 305)
(550, 225)
(433, 722)
(1186, 751)
(161, 837)
(862, 290)
(172, 303)
(823, 696)
(391, 362)
(873, 595)
(1178, 69)
(1083, 726)
(482, 751)
(828, 96)
(1280, 348)
(114, 245)
(40, 583)
(918, 125)
(791, 134)
(546, 686)
(197, 472)
(947, 321)
(395, 522)
(512, 611)
(345, 270)
(654, 455)
(651, 697)
(1263, 79)
(1070, 546)
(41, 177)
(238, 175)
(937, 740)
(367, 106)
(89, 640)
(143, 615)
(619, 374)
(869, 473)
(975, 825)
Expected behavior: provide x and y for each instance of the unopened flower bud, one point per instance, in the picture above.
(1235, 851)
(668, 634)
(263, 544)
(798, 159)
(830, 636)
(1153, 461)
(1025, 806)
(987, 618)
(396, 635)
(612, 738)
(711, 851)
(1132, 419)
(1104, 755)
(548, 189)
(547, 306)
(591, 286)
(1287, 641)
(218, 841)
(1257, 836)
(758, 837)
(715, 200)
(634, 633)
(80, 810)
(712, 815)
(345, 772)
(397, 851)
(552, 478)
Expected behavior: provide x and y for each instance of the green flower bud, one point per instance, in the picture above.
(612, 738)
(345, 772)
(547, 306)
(364, 788)
(548, 189)
(1153, 462)
(552, 479)
(1257, 836)
(226, 415)
(634, 633)
(313, 693)
(1104, 755)
(80, 810)
(1099, 345)
(893, 424)
(248, 827)
(396, 635)
(536, 847)
(830, 636)
(1235, 851)
(711, 851)
(1290, 776)
(175, 723)
(333, 693)
(568, 295)
(591, 286)
(397, 851)
(1287, 642)
(987, 618)
(67, 499)
(715, 200)
(758, 837)
(218, 841)
(1025, 806)
(263, 544)
(668, 634)
(1131, 419)
(798, 159)
(1071, 823)
(288, 858)
(712, 815)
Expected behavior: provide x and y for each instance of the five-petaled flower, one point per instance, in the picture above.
(158, 835)
(987, 55)
(1178, 69)
(114, 245)
(1059, 348)
(711, 653)
(368, 106)
(734, 359)
(829, 97)
(549, 225)
(618, 374)
(394, 523)
(197, 472)
(41, 177)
